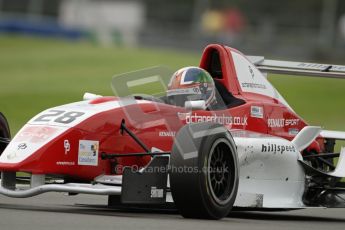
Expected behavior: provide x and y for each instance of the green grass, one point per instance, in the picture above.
(36, 74)
(319, 101)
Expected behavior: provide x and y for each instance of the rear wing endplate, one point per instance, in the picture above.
(298, 68)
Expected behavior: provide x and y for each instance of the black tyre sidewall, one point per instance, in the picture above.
(212, 207)
(190, 191)
(4, 131)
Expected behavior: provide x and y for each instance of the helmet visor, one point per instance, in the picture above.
(178, 97)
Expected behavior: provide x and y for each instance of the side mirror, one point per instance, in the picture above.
(195, 105)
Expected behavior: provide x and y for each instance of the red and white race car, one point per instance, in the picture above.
(253, 152)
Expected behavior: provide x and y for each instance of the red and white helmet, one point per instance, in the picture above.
(191, 84)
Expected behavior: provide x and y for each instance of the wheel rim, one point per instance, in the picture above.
(219, 171)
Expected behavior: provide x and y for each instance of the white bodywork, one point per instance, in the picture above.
(270, 175)
(43, 128)
(37, 133)
(251, 80)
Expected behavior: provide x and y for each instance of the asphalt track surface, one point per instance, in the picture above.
(57, 211)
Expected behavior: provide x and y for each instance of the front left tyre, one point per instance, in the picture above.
(204, 171)
(5, 134)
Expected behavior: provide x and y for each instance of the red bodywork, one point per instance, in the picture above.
(155, 124)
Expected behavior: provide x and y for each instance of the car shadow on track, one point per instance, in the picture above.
(96, 210)
(103, 210)
(282, 217)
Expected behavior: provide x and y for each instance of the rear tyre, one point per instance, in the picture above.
(204, 171)
(4, 132)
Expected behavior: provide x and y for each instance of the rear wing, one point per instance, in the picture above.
(298, 68)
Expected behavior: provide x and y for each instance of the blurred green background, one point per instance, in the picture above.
(39, 73)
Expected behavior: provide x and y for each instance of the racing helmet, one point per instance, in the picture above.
(191, 84)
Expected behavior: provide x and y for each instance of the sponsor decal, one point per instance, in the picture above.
(157, 193)
(67, 146)
(36, 134)
(253, 85)
(291, 122)
(293, 132)
(65, 163)
(88, 152)
(281, 122)
(251, 71)
(221, 119)
(183, 91)
(196, 90)
(33, 137)
(22, 146)
(274, 148)
(182, 116)
(257, 111)
(274, 123)
(167, 133)
(323, 67)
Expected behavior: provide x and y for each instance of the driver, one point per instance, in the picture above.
(191, 84)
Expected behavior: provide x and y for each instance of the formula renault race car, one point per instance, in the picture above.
(252, 152)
